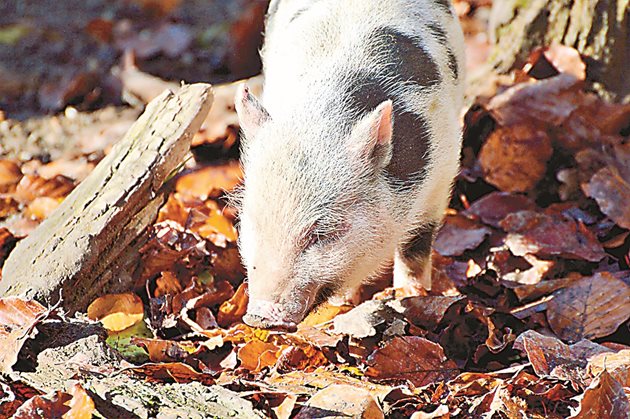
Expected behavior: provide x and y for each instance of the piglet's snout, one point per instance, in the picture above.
(268, 315)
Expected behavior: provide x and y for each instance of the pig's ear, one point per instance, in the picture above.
(251, 113)
(371, 138)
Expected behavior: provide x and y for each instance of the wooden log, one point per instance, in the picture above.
(599, 29)
(70, 252)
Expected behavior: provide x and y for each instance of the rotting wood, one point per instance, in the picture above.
(70, 251)
(599, 29)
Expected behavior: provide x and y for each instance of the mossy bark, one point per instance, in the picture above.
(599, 29)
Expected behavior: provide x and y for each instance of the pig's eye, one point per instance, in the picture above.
(318, 235)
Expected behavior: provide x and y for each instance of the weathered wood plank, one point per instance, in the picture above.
(68, 253)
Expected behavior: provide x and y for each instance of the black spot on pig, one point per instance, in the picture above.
(445, 4)
(419, 247)
(403, 57)
(442, 38)
(411, 137)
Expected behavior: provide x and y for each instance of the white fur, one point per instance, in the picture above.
(309, 42)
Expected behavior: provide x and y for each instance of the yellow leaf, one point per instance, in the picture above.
(117, 311)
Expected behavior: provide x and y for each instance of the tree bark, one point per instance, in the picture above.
(73, 253)
(598, 29)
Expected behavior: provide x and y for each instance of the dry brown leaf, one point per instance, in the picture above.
(514, 159)
(427, 312)
(411, 358)
(256, 355)
(611, 190)
(459, 234)
(590, 308)
(161, 350)
(31, 187)
(41, 207)
(233, 310)
(17, 319)
(550, 357)
(561, 58)
(81, 405)
(550, 236)
(173, 372)
(297, 382)
(549, 101)
(54, 405)
(495, 206)
(531, 292)
(211, 181)
(341, 400)
(324, 314)
(616, 364)
(284, 410)
(363, 320)
(117, 311)
(605, 399)
(10, 174)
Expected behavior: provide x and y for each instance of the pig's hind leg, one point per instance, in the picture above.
(412, 262)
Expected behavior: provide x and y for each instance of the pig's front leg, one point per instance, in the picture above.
(412, 262)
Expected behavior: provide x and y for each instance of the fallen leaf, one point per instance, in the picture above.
(340, 400)
(616, 364)
(324, 314)
(592, 307)
(54, 96)
(427, 312)
(31, 187)
(562, 58)
(117, 311)
(81, 405)
(459, 234)
(362, 321)
(18, 317)
(257, 355)
(550, 357)
(54, 405)
(546, 235)
(41, 207)
(173, 372)
(611, 190)
(233, 310)
(285, 409)
(549, 101)
(411, 358)
(210, 181)
(495, 206)
(507, 161)
(161, 350)
(604, 398)
(10, 174)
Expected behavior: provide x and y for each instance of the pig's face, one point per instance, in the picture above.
(313, 213)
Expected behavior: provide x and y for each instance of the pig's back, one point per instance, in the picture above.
(344, 57)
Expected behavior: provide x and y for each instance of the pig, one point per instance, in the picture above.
(350, 154)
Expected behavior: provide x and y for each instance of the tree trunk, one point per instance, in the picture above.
(598, 29)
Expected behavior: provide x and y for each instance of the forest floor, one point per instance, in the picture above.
(529, 313)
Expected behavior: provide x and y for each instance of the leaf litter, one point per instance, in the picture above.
(529, 315)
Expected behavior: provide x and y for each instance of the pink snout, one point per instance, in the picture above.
(268, 315)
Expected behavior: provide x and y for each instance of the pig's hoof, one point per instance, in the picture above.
(260, 322)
